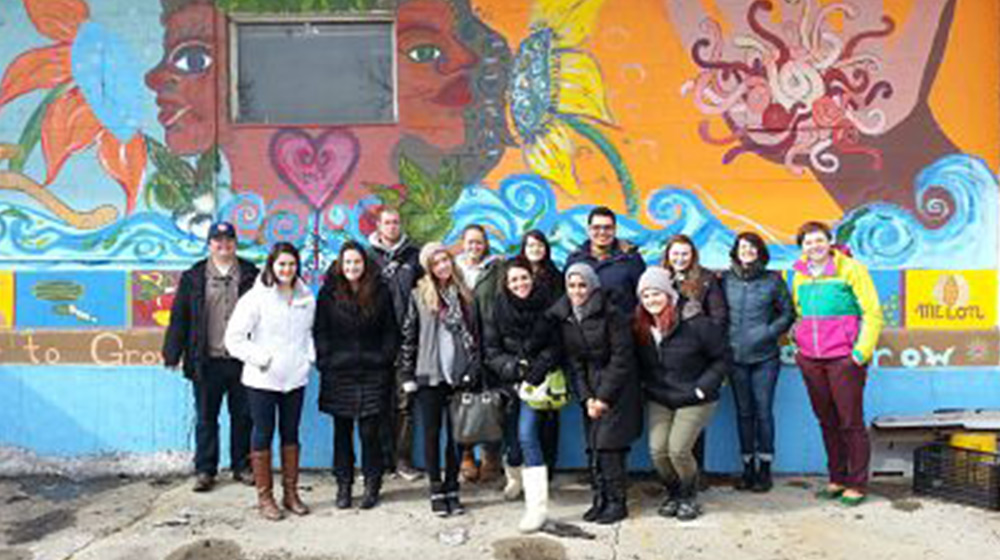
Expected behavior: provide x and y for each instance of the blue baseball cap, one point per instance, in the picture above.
(222, 229)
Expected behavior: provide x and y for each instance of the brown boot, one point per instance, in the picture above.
(492, 467)
(290, 480)
(468, 470)
(261, 461)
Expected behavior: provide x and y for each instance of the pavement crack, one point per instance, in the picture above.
(104, 534)
(616, 541)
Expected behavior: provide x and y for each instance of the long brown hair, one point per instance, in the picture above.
(340, 286)
(691, 286)
(268, 277)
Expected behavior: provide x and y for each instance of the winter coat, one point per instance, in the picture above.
(839, 312)
(418, 358)
(599, 357)
(273, 337)
(760, 311)
(692, 355)
(186, 337)
(355, 352)
(484, 284)
(399, 268)
(518, 341)
(619, 272)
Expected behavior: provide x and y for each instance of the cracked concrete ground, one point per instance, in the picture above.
(147, 519)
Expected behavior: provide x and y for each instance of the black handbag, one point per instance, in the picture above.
(477, 416)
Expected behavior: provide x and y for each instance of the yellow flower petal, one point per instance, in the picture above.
(551, 157)
(581, 87)
(571, 20)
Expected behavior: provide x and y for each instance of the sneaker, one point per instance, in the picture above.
(203, 482)
(853, 499)
(455, 506)
(669, 507)
(408, 473)
(688, 510)
(439, 505)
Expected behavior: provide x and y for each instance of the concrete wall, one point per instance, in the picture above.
(117, 150)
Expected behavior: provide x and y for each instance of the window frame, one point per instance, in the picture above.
(373, 17)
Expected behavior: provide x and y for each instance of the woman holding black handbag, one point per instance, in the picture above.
(599, 358)
(520, 349)
(439, 352)
(356, 342)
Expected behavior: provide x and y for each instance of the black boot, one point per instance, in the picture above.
(439, 503)
(687, 507)
(616, 484)
(749, 478)
(343, 500)
(763, 482)
(597, 489)
(455, 506)
(373, 486)
(668, 508)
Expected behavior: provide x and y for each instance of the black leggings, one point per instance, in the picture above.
(263, 405)
(343, 448)
(433, 405)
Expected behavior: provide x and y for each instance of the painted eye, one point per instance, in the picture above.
(192, 59)
(424, 53)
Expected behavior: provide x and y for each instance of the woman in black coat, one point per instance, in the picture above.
(598, 355)
(684, 358)
(356, 341)
(760, 311)
(547, 281)
(519, 347)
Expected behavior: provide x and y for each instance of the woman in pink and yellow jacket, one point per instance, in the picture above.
(839, 319)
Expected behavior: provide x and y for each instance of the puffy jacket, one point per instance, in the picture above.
(273, 337)
(519, 332)
(399, 267)
(839, 312)
(760, 311)
(710, 297)
(619, 271)
(599, 357)
(355, 352)
(694, 355)
(186, 337)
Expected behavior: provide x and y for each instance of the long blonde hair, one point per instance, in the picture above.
(427, 289)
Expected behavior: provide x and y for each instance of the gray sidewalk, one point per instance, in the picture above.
(146, 519)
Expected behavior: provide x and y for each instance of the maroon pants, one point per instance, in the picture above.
(836, 388)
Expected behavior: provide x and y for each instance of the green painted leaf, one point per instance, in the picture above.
(207, 168)
(32, 132)
(170, 164)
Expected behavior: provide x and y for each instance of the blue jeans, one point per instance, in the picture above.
(534, 433)
(753, 389)
(263, 405)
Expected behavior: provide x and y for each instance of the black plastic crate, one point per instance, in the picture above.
(956, 474)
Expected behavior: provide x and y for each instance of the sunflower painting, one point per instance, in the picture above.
(87, 105)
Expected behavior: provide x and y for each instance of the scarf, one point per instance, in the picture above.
(750, 272)
(452, 316)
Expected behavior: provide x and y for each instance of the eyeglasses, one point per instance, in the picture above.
(601, 227)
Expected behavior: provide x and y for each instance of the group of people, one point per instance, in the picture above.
(398, 330)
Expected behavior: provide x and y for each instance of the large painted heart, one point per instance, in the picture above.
(316, 168)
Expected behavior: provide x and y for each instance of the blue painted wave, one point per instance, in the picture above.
(882, 235)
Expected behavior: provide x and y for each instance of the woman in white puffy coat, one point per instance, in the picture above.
(270, 331)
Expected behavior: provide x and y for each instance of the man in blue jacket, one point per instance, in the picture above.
(617, 262)
(206, 296)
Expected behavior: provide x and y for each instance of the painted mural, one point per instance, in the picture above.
(117, 145)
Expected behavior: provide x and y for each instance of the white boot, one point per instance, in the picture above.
(536, 498)
(512, 490)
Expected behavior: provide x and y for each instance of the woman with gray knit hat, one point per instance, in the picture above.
(439, 352)
(683, 359)
(599, 358)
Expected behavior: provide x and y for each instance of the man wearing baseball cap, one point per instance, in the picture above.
(205, 299)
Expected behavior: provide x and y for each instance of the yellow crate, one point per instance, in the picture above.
(976, 441)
